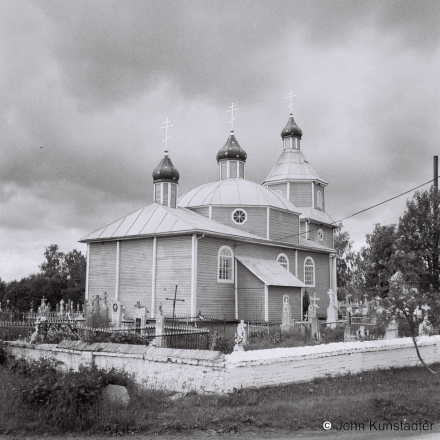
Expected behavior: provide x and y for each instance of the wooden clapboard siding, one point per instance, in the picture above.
(276, 302)
(301, 193)
(322, 277)
(233, 168)
(279, 187)
(213, 298)
(204, 210)
(102, 269)
(256, 218)
(319, 187)
(173, 267)
(250, 295)
(135, 269)
(283, 226)
(328, 235)
(266, 253)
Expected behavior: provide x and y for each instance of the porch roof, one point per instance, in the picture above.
(270, 272)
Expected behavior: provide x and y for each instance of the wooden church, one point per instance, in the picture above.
(232, 247)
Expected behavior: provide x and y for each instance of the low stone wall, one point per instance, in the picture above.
(212, 372)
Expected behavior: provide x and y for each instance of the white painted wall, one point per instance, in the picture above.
(212, 372)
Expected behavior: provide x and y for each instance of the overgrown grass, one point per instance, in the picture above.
(34, 397)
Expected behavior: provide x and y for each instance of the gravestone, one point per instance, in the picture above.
(425, 327)
(140, 315)
(116, 313)
(392, 331)
(286, 316)
(160, 329)
(240, 337)
(332, 310)
(348, 337)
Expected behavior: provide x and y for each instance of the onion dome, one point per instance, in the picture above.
(291, 129)
(231, 150)
(165, 171)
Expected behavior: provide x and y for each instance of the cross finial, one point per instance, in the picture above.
(314, 299)
(166, 125)
(232, 108)
(290, 96)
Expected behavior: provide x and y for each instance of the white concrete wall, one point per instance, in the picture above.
(211, 372)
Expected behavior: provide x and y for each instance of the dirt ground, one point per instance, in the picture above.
(433, 434)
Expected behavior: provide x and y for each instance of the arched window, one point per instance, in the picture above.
(283, 260)
(309, 272)
(319, 199)
(278, 191)
(225, 265)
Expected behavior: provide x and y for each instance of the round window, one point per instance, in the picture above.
(320, 235)
(239, 216)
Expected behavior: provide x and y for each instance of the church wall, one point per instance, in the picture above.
(213, 298)
(279, 187)
(283, 226)
(328, 235)
(267, 253)
(173, 266)
(301, 194)
(250, 291)
(102, 270)
(276, 302)
(322, 277)
(318, 187)
(135, 274)
(204, 210)
(256, 218)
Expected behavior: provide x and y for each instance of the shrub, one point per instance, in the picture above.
(3, 354)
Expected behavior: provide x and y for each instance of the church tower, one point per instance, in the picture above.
(166, 177)
(231, 158)
(294, 178)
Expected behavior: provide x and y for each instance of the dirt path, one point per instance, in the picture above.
(366, 434)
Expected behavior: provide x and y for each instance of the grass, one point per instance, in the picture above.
(394, 395)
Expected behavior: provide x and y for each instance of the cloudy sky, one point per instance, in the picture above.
(85, 87)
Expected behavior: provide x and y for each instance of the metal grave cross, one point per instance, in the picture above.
(314, 299)
(166, 125)
(232, 108)
(290, 96)
(174, 301)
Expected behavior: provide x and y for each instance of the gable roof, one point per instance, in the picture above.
(312, 245)
(156, 219)
(270, 272)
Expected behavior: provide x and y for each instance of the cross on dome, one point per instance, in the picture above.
(166, 125)
(290, 96)
(231, 110)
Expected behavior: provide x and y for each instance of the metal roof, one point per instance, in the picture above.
(270, 272)
(317, 216)
(235, 192)
(292, 165)
(312, 245)
(158, 219)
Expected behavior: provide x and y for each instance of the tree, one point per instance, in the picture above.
(419, 235)
(54, 265)
(374, 258)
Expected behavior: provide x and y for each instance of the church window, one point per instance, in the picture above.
(309, 272)
(320, 234)
(283, 260)
(239, 216)
(241, 169)
(319, 199)
(225, 265)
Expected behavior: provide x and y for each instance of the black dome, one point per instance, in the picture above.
(165, 171)
(231, 150)
(291, 129)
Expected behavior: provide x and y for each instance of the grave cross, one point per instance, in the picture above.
(166, 125)
(174, 301)
(289, 97)
(231, 110)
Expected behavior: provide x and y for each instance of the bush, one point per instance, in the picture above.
(3, 354)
